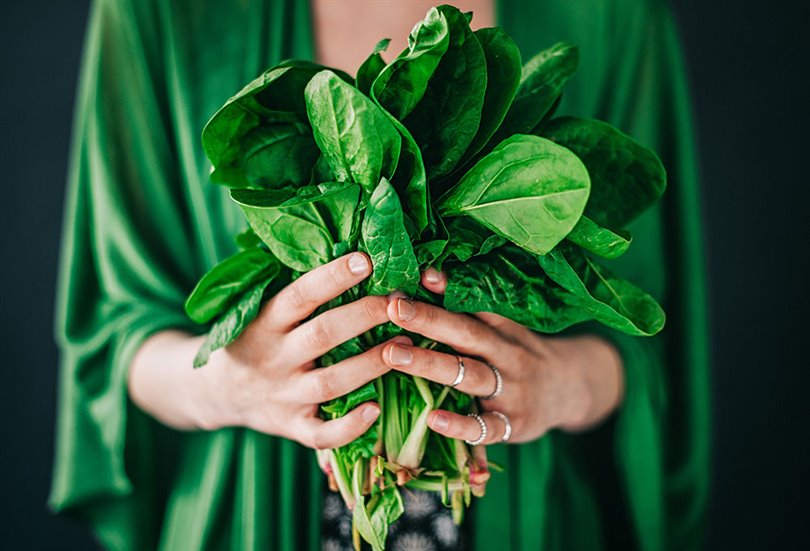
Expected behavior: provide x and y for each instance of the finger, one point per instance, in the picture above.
(460, 331)
(465, 427)
(479, 380)
(322, 435)
(321, 385)
(321, 334)
(303, 296)
(434, 281)
(506, 327)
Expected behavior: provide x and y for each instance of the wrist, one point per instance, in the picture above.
(593, 378)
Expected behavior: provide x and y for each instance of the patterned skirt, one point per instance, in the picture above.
(426, 525)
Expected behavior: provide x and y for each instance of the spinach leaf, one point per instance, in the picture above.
(604, 296)
(541, 83)
(401, 85)
(503, 77)
(626, 177)
(248, 240)
(386, 240)
(371, 67)
(274, 97)
(508, 282)
(467, 239)
(356, 137)
(272, 156)
(446, 120)
(527, 190)
(300, 230)
(410, 179)
(601, 241)
(231, 324)
(227, 280)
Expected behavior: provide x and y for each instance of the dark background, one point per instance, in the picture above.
(748, 67)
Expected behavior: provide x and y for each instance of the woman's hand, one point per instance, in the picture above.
(548, 382)
(266, 379)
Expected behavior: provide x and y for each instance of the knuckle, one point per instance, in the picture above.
(317, 334)
(336, 274)
(374, 308)
(295, 296)
(318, 440)
(323, 386)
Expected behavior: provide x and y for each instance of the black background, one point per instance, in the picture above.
(748, 67)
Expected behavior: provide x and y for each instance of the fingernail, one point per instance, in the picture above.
(405, 309)
(370, 413)
(358, 264)
(432, 275)
(400, 355)
(440, 421)
(396, 295)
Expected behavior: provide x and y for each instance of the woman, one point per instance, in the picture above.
(156, 455)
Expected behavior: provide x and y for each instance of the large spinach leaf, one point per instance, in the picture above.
(275, 97)
(626, 177)
(401, 85)
(527, 190)
(302, 229)
(387, 242)
(228, 280)
(503, 77)
(273, 156)
(541, 83)
(371, 67)
(445, 121)
(356, 137)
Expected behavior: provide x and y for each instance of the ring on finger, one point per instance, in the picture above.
(483, 436)
(461, 371)
(507, 430)
(498, 383)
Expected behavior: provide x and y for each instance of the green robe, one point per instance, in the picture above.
(142, 224)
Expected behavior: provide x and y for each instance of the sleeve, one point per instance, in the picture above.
(662, 430)
(127, 262)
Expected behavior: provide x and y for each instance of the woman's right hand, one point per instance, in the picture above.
(267, 379)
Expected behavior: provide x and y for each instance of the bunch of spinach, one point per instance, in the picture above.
(449, 156)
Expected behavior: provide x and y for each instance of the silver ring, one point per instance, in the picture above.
(498, 383)
(460, 374)
(507, 431)
(483, 430)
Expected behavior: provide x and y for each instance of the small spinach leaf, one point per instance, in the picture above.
(601, 241)
(386, 240)
(371, 67)
(227, 280)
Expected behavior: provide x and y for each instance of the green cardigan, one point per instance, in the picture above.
(142, 224)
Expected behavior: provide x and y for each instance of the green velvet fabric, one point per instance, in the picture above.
(142, 224)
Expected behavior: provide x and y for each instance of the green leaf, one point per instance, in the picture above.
(276, 96)
(301, 230)
(228, 280)
(503, 77)
(410, 178)
(601, 241)
(509, 282)
(401, 85)
(387, 242)
(444, 123)
(627, 178)
(606, 297)
(356, 137)
(527, 190)
(467, 239)
(248, 240)
(541, 83)
(235, 320)
(371, 67)
(273, 156)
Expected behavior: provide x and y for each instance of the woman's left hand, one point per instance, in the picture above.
(548, 382)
